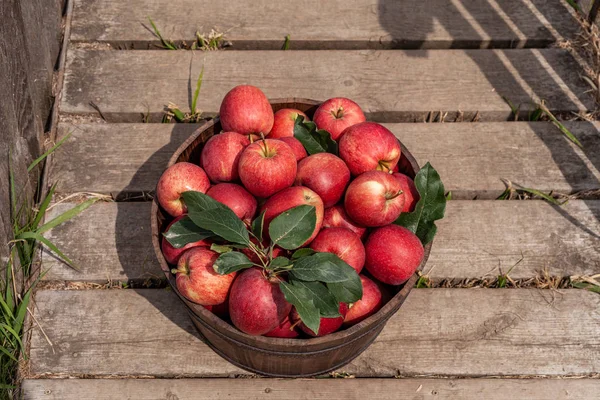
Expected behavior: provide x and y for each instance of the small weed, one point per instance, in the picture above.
(514, 191)
(586, 282)
(167, 44)
(286, 43)
(423, 281)
(449, 195)
(15, 285)
(172, 111)
(503, 279)
(213, 41)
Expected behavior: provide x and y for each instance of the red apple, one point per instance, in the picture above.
(256, 304)
(197, 280)
(267, 166)
(290, 198)
(337, 114)
(172, 254)
(296, 146)
(411, 194)
(221, 154)
(242, 203)
(283, 125)
(326, 325)
(179, 178)
(343, 243)
(326, 174)
(220, 310)
(370, 303)
(368, 146)
(284, 330)
(246, 110)
(393, 254)
(336, 216)
(374, 198)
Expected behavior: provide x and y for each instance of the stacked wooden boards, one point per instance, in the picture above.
(404, 64)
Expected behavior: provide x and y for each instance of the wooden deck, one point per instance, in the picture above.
(404, 62)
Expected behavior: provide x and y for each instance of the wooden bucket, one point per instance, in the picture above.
(277, 356)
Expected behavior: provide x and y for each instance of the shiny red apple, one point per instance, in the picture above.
(369, 146)
(283, 125)
(221, 154)
(343, 243)
(326, 174)
(336, 216)
(242, 203)
(172, 254)
(246, 110)
(179, 178)
(337, 114)
(374, 198)
(368, 305)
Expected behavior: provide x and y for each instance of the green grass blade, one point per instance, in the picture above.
(197, 92)
(8, 312)
(50, 151)
(573, 4)
(541, 194)
(50, 245)
(22, 310)
(12, 357)
(43, 207)
(286, 43)
(164, 42)
(67, 215)
(179, 116)
(560, 126)
(12, 332)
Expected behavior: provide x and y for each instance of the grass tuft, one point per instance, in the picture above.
(514, 191)
(173, 112)
(19, 280)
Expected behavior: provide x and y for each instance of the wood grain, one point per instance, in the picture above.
(127, 159)
(391, 86)
(457, 332)
(313, 389)
(333, 25)
(112, 241)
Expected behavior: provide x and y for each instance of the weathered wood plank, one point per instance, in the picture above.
(314, 389)
(471, 158)
(391, 86)
(457, 332)
(111, 241)
(333, 25)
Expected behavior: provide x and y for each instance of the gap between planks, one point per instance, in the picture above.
(336, 24)
(454, 332)
(127, 159)
(304, 389)
(391, 86)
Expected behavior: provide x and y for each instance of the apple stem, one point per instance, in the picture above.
(395, 195)
(266, 148)
(293, 326)
(339, 113)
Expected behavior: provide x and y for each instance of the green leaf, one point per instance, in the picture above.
(185, 231)
(224, 223)
(292, 228)
(230, 262)
(304, 252)
(430, 207)
(50, 151)
(279, 262)
(348, 291)
(304, 303)
(324, 267)
(327, 304)
(219, 248)
(541, 194)
(286, 43)
(314, 140)
(258, 226)
(198, 202)
(67, 215)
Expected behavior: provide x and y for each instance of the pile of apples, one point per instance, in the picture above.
(257, 165)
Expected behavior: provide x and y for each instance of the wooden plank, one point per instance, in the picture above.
(391, 86)
(334, 25)
(313, 389)
(112, 241)
(456, 332)
(126, 159)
